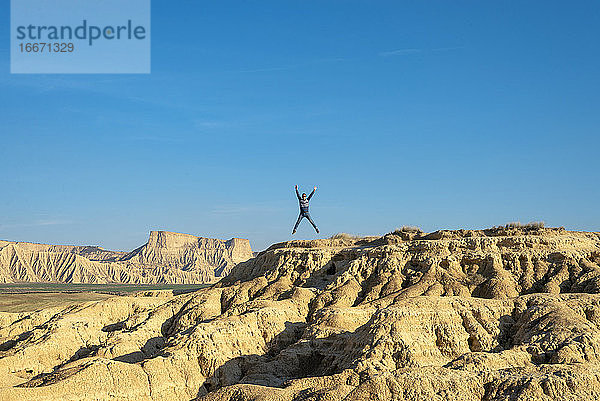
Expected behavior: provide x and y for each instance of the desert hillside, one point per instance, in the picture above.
(166, 258)
(499, 314)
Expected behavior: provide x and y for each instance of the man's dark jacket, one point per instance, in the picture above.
(304, 202)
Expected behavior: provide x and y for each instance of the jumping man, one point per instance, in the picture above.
(303, 200)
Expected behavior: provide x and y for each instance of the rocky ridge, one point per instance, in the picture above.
(166, 258)
(501, 314)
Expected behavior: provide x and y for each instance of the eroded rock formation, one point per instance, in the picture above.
(454, 315)
(166, 258)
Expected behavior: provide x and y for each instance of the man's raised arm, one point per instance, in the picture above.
(297, 193)
(312, 193)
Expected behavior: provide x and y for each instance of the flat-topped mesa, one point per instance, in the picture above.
(167, 257)
(172, 240)
(168, 239)
(191, 253)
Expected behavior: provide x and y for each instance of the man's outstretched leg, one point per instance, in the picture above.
(311, 222)
(297, 223)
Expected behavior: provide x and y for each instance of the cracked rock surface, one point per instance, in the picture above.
(499, 314)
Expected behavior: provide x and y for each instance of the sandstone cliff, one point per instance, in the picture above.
(166, 258)
(453, 315)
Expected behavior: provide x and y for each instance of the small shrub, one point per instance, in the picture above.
(407, 229)
(534, 225)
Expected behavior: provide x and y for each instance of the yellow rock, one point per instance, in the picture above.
(166, 258)
(454, 315)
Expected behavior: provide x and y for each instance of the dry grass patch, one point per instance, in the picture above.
(408, 229)
(345, 236)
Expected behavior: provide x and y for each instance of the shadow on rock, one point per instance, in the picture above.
(150, 350)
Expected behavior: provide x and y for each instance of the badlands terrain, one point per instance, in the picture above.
(498, 314)
(166, 258)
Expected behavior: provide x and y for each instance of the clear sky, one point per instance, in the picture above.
(462, 114)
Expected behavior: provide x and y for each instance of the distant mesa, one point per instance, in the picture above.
(167, 257)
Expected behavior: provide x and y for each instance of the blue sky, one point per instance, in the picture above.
(463, 114)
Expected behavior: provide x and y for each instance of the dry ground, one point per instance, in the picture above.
(29, 302)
